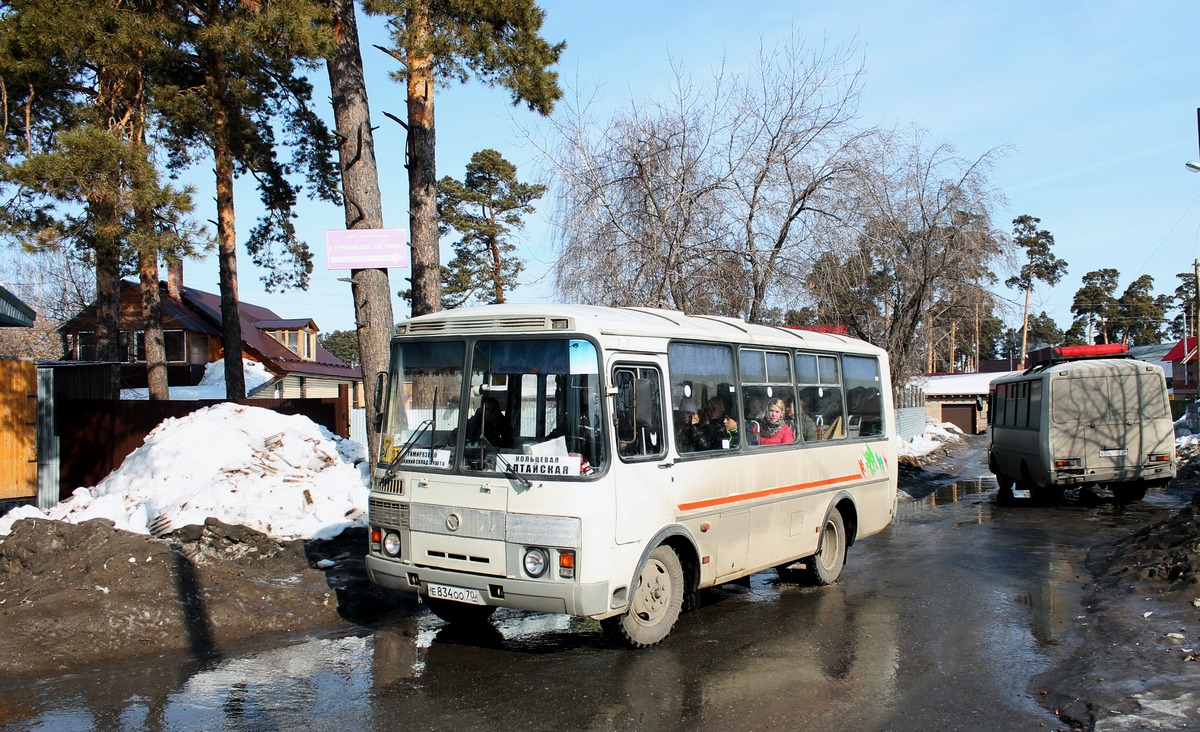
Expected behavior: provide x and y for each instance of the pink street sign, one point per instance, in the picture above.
(365, 248)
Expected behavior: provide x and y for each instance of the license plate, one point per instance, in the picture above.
(1113, 453)
(457, 594)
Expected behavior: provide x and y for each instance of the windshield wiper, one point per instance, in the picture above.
(394, 465)
(509, 472)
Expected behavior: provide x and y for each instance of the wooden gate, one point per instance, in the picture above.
(18, 424)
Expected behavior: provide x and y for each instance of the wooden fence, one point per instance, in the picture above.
(18, 422)
(96, 435)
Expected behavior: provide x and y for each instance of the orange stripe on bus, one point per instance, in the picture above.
(769, 492)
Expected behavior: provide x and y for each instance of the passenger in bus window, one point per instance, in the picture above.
(773, 430)
(688, 435)
(715, 427)
(489, 421)
(805, 424)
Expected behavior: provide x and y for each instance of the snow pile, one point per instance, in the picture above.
(935, 435)
(1187, 453)
(282, 475)
(212, 384)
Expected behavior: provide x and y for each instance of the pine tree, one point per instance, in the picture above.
(238, 88)
(497, 42)
(484, 208)
(81, 171)
(1095, 303)
(1040, 264)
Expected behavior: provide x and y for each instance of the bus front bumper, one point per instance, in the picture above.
(540, 596)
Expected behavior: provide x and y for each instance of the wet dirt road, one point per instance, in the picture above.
(938, 623)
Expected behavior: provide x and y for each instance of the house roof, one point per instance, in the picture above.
(1183, 350)
(274, 354)
(175, 315)
(1152, 352)
(943, 385)
(286, 324)
(13, 312)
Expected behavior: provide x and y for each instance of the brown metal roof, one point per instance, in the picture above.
(272, 353)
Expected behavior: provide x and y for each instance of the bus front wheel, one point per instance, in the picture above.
(824, 567)
(656, 602)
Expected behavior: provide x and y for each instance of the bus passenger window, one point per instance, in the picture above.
(702, 379)
(864, 401)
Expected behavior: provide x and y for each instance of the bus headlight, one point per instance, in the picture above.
(391, 544)
(536, 561)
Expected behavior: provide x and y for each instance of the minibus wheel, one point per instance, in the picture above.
(459, 613)
(824, 567)
(655, 604)
(1006, 483)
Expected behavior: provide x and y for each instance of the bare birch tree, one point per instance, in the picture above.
(707, 200)
(923, 240)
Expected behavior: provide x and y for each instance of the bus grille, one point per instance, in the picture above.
(395, 486)
(388, 513)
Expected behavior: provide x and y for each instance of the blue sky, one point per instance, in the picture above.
(1096, 103)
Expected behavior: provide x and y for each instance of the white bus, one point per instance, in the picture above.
(1081, 416)
(576, 459)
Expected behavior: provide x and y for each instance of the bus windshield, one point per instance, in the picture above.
(497, 405)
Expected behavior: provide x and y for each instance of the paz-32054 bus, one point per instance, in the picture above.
(1081, 416)
(609, 463)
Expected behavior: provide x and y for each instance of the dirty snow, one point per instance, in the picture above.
(282, 475)
(935, 435)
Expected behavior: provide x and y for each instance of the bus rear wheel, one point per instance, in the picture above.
(656, 602)
(824, 567)
(459, 613)
(1006, 483)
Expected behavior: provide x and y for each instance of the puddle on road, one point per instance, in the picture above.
(962, 490)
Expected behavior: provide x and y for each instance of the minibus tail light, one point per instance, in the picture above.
(1066, 463)
(1160, 457)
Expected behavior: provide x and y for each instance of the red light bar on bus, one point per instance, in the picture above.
(1073, 353)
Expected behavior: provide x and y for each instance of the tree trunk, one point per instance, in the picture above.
(422, 174)
(108, 288)
(1025, 325)
(231, 324)
(364, 206)
(152, 336)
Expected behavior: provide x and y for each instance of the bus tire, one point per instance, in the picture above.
(655, 603)
(459, 613)
(1048, 495)
(1005, 492)
(824, 567)
(1128, 492)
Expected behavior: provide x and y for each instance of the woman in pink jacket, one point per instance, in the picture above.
(773, 430)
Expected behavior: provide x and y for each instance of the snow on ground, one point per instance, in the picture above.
(282, 475)
(934, 436)
(212, 384)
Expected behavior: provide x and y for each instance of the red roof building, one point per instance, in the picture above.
(192, 328)
(1183, 368)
